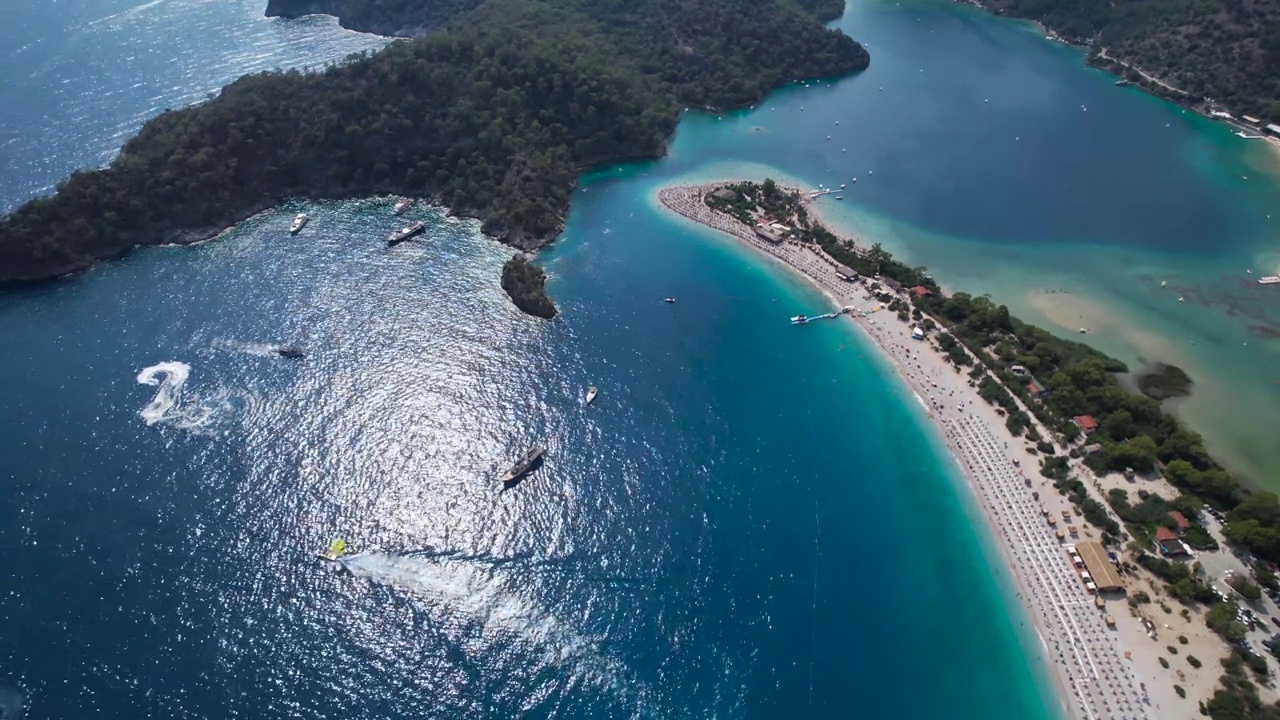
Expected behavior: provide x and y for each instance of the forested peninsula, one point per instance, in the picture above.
(1225, 51)
(494, 113)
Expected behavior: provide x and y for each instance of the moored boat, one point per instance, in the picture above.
(1269, 280)
(401, 205)
(405, 233)
(799, 320)
(522, 466)
(299, 222)
(591, 394)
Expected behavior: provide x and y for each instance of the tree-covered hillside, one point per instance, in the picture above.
(494, 117)
(1227, 50)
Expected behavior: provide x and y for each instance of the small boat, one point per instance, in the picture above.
(1182, 299)
(591, 394)
(668, 300)
(1163, 283)
(839, 197)
(337, 549)
(293, 352)
(403, 234)
(1122, 83)
(401, 205)
(1269, 280)
(799, 320)
(299, 222)
(522, 466)
(1084, 330)
(842, 186)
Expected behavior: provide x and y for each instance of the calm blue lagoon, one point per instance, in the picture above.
(752, 520)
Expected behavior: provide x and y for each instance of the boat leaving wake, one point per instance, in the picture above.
(170, 377)
(479, 596)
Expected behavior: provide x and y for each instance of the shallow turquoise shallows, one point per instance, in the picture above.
(752, 520)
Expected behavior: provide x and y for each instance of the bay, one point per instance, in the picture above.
(751, 520)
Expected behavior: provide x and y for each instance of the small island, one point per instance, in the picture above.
(525, 283)
(1164, 381)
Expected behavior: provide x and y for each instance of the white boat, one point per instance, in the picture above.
(799, 320)
(1163, 283)
(1269, 280)
(591, 394)
(403, 234)
(839, 197)
(401, 205)
(299, 222)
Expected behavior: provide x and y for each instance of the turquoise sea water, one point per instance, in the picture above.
(751, 521)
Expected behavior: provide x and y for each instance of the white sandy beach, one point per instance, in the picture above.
(1096, 670)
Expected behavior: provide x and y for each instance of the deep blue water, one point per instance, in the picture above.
(751, 521)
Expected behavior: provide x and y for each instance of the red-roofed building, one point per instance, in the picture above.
(1086, 423)
(921, 291)
(1169, 543)
(1034, 388)
(1183, 523)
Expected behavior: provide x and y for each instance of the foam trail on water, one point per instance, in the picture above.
(174, 375)
(167, 405)
(258, 349)
(479, 595)
(131, 12)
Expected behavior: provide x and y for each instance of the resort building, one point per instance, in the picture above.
(768, 232)
(921, 291)
(893, 284)
(1101, 571)
(846, 273)
(1250, 119)
(1086, 423)
(1169, 544)
(1275, 129)
(1181, 520)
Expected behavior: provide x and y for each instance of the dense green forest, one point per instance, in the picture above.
(495, 117)
(1227, 50)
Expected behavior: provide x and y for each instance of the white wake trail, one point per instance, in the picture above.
(170, 376)
(168, 406)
